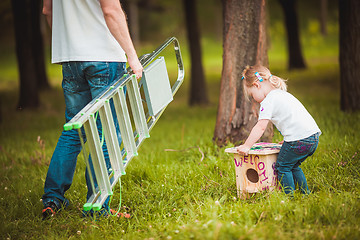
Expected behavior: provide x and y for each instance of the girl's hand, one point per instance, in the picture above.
(243, 150)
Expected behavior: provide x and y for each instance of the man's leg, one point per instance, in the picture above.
(63, 162)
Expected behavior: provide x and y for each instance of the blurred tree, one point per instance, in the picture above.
(296, 60)
(349, 20)
(323, 16)
(244, 44)
(29, 51)
(153, 19)
(198, 89)
(131, 8)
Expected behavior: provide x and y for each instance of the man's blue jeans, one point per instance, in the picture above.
(82, 82)
(290, 157)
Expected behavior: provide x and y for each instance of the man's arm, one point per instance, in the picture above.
(255, 134)
(47, 11)
(116, 21)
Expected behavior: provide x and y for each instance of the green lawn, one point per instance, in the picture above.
(174, 194)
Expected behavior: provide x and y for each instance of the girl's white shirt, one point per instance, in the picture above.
(288, 115)
(80, 33)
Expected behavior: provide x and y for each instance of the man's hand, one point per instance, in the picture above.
(243, 150)
(136, 66)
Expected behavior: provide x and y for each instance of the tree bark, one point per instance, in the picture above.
(296, 59)
(244, 44)
(349, 21)
(198, 88)
(29, 51)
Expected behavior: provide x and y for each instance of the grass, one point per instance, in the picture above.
(180, 194)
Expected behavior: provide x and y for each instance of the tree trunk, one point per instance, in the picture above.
(29, 51)
(198, 89)
(323, 17)
(349, 21)
(131, 9)
(38, 45)
(244, 44)
(296, 60)
(29, 95)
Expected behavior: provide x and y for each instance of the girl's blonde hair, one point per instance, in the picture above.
(260, 73)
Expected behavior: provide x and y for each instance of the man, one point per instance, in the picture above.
(91, 40)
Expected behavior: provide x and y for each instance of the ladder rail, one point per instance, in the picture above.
(125, 123)
(137, 109)
(80, 118)
(112, 141)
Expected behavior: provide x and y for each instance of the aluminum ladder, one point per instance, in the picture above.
(158, 92)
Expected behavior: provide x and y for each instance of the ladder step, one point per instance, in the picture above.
(123, 117)
(86, 157)
(97, 158)
(137, 108)
(112, 141)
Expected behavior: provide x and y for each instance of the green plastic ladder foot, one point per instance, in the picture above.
(77, 125)
(97, 206)
(68, 126)
(87, 206)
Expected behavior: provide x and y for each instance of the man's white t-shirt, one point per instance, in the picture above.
(80, 33)
(288, 115)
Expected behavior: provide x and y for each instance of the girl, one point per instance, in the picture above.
(300, 131)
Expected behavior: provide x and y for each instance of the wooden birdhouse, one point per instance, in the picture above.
(256, 172)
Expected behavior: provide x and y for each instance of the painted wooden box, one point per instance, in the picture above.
(256, 172)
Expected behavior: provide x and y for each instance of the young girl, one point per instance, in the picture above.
(300, 131)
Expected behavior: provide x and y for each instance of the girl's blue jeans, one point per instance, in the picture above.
(82, 82)
(290, 157)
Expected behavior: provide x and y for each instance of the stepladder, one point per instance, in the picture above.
(126, 112)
